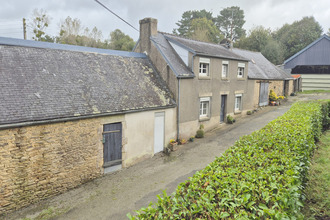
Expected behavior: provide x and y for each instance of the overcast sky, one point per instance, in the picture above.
(268, 13)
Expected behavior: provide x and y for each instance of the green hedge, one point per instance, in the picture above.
(262, 176)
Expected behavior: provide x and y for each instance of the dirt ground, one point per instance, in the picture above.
(114, 195)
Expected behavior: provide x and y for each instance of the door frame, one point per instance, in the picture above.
(157, 129)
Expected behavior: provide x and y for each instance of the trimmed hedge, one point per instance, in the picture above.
(262, 176)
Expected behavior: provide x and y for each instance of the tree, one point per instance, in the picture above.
(121, 41)
(328, 32)
(298, 35)
(260, 39)
(72, 32)
(40, 22)
(256, 40)
(274, 52)
(186, 20)
(204, 29)
(230, 22)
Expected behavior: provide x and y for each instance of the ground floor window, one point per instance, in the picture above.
(238, 102)
(204, 107)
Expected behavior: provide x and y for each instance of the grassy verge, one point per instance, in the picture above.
(314, 91)
(317, 204)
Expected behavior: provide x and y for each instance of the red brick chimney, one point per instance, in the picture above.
(148, 28)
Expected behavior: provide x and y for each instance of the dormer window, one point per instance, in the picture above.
(240, 70)
(204, 67)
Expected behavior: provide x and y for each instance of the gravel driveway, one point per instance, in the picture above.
(114, 195)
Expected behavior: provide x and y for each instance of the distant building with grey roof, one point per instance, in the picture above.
(313, 64)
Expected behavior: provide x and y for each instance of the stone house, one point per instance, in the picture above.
(208, 81)
(266, 76)
(69, 114)
(312, 64)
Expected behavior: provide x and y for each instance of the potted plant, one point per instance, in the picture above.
(173, 145)
(272, 97)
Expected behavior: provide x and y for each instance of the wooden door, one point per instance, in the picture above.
(112, 144)
(263, 94)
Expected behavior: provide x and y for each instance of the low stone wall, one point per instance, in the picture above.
(37, 162)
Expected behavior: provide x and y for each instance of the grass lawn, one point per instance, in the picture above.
(314, 91)
(317, 204)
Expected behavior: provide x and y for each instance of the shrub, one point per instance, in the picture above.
(249, 112)
(230, 119)
(260, 177)
(199, 133)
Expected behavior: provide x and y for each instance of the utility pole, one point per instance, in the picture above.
(24, 28)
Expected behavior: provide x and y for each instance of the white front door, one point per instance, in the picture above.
(159, 132)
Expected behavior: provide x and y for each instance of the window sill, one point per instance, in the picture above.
(225, 79)
(204, 77)
(237, 112)
(204, 118)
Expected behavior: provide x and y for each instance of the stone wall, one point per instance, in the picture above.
(277, 86)
(40, 161)
(37, 162)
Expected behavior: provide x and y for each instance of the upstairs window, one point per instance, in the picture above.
(225, 69)
(240, 70)
(204, 67)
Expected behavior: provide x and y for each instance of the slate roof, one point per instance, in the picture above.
(172, 58)
(261, 68)
(40, 81)
(204, 48)
(316, 53)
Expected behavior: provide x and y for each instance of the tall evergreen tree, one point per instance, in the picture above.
(230, 22)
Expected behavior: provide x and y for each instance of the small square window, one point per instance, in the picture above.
(238, 102)
(203, 69)
(204, 107)
(240, 70)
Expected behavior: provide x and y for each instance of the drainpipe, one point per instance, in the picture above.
(178, 112)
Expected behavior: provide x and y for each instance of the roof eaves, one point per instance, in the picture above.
(73, 118)
(307, 47)
(56, 46)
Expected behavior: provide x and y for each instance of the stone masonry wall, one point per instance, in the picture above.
(277, 86)
(37, 162)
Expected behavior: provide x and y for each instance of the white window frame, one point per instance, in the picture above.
(204, 107)
(240, 70)
(238, 104)
(204, 67)
(224, 74)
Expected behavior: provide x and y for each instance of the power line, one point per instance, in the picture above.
(116, 15)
